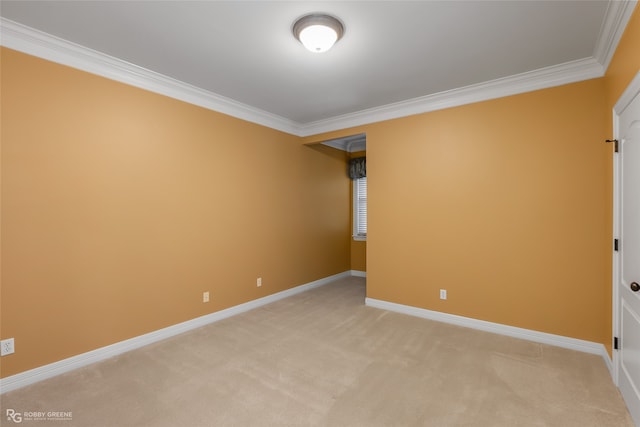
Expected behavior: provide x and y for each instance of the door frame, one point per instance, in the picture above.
(625, 99)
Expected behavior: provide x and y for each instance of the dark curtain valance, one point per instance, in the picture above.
(358, 168)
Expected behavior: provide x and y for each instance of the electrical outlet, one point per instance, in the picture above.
(7, 347)
(259, 282)
(205, 296)
(443, 294)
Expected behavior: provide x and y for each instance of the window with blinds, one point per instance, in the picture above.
(360, 208)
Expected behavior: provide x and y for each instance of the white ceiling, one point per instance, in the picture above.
(394, 56)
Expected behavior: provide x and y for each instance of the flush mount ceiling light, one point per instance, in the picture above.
(318, 32)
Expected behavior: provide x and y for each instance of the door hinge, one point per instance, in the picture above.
(616, 343)
(615, 245)
(615, 144)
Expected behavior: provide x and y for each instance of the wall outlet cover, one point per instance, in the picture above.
(7, 347)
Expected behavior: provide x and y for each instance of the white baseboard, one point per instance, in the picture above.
(47, 371)
(497, 328)
(53, 369)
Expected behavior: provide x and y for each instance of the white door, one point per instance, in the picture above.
(628, 277)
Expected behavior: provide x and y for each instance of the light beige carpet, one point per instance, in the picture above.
(322, 358)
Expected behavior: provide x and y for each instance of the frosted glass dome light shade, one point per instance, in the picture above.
(318, 38)
(318, 32)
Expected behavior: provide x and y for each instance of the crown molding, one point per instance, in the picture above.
(615, 21)
(37, 43)
(569, 72)
(350, 144)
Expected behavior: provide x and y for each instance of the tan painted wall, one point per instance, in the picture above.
(500, 203)
(120, 207)
(358, 255)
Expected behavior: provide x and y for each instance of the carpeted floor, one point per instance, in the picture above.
(322, 358)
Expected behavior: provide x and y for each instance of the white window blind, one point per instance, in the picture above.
(360, 207)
